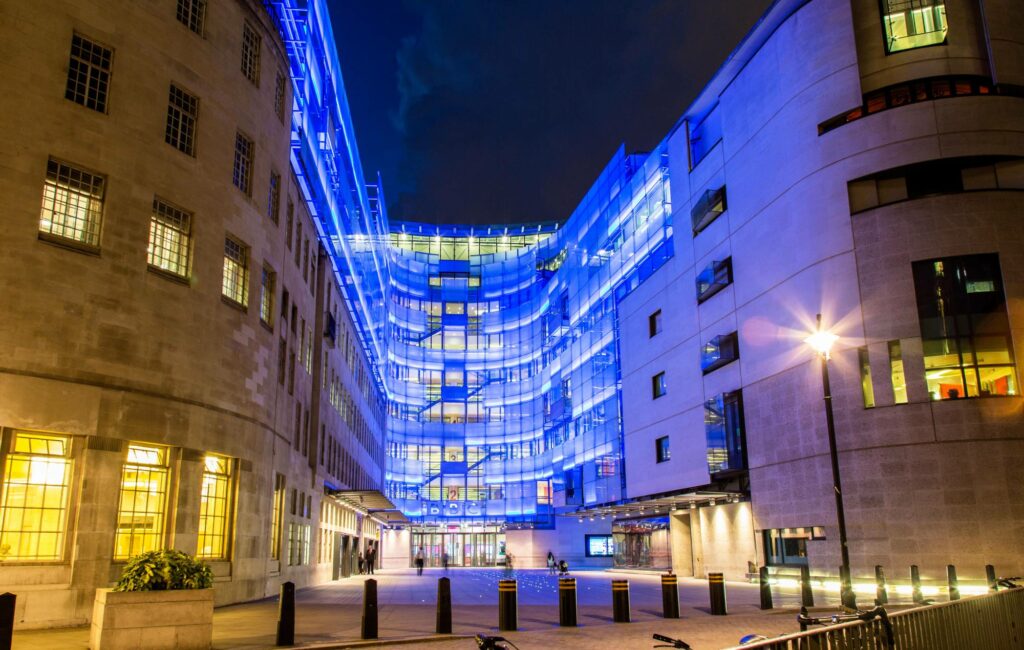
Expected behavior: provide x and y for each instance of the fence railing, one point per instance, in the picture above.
(991, 622)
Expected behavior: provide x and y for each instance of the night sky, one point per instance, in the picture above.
(488, 112)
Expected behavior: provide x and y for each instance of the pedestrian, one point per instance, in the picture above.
(419, 562)
(551, 563)
(563, 568)
(371, 559)
(362, 563)
(444, 560)
(509, 559)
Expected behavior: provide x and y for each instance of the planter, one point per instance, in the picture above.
(180, 618)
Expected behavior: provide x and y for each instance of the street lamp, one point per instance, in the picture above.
(822, 341)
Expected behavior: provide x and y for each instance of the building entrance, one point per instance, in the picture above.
(463, 548)
(642, 543)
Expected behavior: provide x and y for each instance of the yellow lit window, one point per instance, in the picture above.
(914, 23)
(72, 204)
(215, 508)
(235, 286)
(170, 235)
(34, 505)
(142, 507)
(275, 520)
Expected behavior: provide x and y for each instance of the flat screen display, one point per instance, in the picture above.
(600, 546)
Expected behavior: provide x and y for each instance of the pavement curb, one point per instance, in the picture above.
(377, 643)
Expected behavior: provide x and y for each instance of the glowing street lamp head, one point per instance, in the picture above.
(822, 341)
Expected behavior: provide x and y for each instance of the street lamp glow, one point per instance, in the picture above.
(822, 342)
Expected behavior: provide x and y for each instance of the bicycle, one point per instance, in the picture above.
(669, 642)
(866, 616)
(484, 642)
(1008, 583)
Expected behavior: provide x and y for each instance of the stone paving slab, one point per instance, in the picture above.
(329, 615)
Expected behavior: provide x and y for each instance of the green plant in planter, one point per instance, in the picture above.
(160, 570)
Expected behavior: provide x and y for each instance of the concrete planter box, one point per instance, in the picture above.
(181, 618)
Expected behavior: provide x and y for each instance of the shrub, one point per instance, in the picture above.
(160, 570)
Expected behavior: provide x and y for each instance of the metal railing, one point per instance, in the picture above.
(991, 622)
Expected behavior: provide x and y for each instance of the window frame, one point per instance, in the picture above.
(230, 478)
(94, 243)
(716, 267)
(108, 71)
(251, 52)
(883, 14)
(658, 386)
(243, 162)
(176, 111)
(200, 29)
(654, 324)
(243, 283)
(186, 274)
(164, 467)
(662, 449)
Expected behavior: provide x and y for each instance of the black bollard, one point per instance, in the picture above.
(670, 595)
(881, 593)
(620, 601)
(990, 576)
(716, 585)
(954, 585)
(567, 602)
(846, 594)
(286, 615)
(7, 601)
(806, 595)
(444, 607)
(370, 609)
(915, 584)
(766, 588)
(508, 614)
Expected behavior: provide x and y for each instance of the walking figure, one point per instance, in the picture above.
(362, 564)
(444, 560)
(563, 568)
(419, 562)
(551, 563)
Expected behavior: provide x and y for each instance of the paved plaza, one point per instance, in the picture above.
(328, 616)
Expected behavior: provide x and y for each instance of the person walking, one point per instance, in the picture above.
(551, 563)
(419, 562)
(362, 564)
(444, 560)
(371, 559)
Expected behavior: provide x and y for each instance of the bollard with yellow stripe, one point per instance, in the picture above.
(508, 610)
(567, 602)
(669, 595)
(716, 585)
(620, 601)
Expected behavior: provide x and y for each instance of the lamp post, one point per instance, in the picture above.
(822, 341)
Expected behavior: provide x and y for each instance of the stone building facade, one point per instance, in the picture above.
(179, 368)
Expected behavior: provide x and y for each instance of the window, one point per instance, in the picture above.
(280, 93)
(965, 331)
(662, 452)
(658, 387)
(236, 272)
(192, 14)
(242, 171)
(274, 197)
(719, 351)
(913, 23)
(34, 504)
(215, 508)
(704, 131)
(723, 427)
(89, 74)
(267, 282)
(899, 382)
(142, 506)
(788, 546)
(250, 54)
(715, 277)
(182, 113)
(72, 204)
(276, 517)
(867, 389)
(708, 207)
(654, 324)
(170, 239)
(290, 212)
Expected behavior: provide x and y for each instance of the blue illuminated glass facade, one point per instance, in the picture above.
(496, 347)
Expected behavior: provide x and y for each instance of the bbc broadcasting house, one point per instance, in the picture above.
(215, 340)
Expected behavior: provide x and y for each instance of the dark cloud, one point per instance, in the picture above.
(498, 112)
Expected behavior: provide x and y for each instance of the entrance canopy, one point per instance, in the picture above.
(371, 503)
(654, 504)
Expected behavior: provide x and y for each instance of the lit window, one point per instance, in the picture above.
(658, 387)
(88, 74)
(170, 238)
(250, 54)
(276, 517)
(715, 277)
(34, 505)
(235, 286)
(913, 23)
(654, 323)
(192, 14)
(280, 91)
(215, 508)
(899, 382)
(661, 449)
(242, 170)
(182, 113)
(867, 389)
(724, 430)
(274, 198)
(72, 204)
(710, 205)
(142, 505)
(719, 351)
(965, 330)
(267, 282)
(544, 492)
